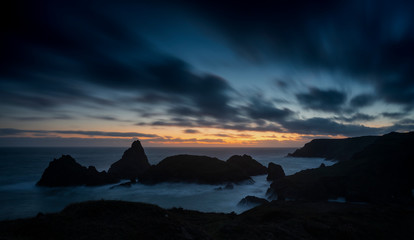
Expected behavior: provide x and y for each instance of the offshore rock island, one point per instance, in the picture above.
(376, 184)
(195, 169)
(65, 171)
(134, 165)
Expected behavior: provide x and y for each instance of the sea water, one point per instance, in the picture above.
(21, 168)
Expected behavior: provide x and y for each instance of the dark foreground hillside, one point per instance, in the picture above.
(276, 220)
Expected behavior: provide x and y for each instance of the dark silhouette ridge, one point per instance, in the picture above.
(275, 220)
(382, 172)
(132, 165)
(275, 171)
(65, 171)
(247, 164)
(196, 169)
(334, 149)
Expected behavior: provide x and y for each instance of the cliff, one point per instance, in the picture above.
(382, 172)
(334, 149)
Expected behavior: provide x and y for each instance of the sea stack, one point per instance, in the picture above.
(133, 163)
(194, 169)
(247, 164)
(65, 171)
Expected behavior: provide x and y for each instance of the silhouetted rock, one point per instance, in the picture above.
(133, 163)
(65, 171)
(252, 201)
(334, 149)
(106, 220)
(275, 171)
(190, 168)
(247, 164)
(382, 172)
(322, 165)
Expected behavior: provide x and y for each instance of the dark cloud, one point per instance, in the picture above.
(13, 131)
(185, 140)
(60, 41)
(44, 118)
(394, 115)
(223, 135)
(191, 131)
(400, 127)
(406, 121)
(248, 127)
(160, 78)
(374, 46)
(94, 55)
(326, 126)
(245, 126)
(357, 117)
(259, 108)
(108, 118)
(323, 100)
(107, 134)
(362, 100)
(65, 142)
(281, 84)
(155, 98)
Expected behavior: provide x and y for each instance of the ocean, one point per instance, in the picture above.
(21, 168)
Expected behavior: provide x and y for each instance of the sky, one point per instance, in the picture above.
(204, 73)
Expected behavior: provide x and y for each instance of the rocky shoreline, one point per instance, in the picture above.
(381, 172)
(376, 183)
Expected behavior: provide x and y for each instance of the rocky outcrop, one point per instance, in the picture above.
(382, 172)
(247, 164)
(275, 171)
(334, 149)
(65, 171)
(133, 164)
(195, 169)
(252, 201)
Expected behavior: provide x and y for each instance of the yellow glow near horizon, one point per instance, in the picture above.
(178, 136)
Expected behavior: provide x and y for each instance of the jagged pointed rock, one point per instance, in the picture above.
(133, 163)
